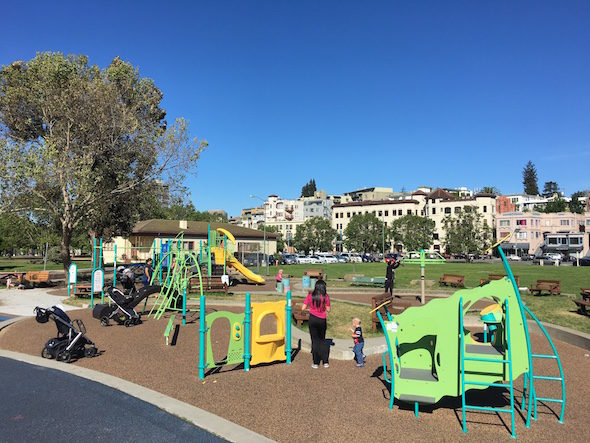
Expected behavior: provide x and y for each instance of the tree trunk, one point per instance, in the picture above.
(66, 237)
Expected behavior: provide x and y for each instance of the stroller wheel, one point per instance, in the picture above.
(104, 321)
(65, 356)
(45, 353)
(90, 352)
(128, 322)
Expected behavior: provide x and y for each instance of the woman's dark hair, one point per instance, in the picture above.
(318, 296)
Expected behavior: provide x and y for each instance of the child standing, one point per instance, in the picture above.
(359, 342)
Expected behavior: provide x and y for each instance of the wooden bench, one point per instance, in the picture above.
(396, 306)
(210, 284)
(37, 277)
(15, 277)
(315, 273)
(368, 281)
(298, 314)
(453, 280)
(551, 286)
(498, 277)
(584, 302)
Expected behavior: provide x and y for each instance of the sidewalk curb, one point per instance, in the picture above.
(199, 417)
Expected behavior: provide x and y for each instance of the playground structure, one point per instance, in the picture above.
(247, 344)
(432, 354)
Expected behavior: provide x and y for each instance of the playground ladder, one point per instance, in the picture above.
(553, 356)
(507, 358)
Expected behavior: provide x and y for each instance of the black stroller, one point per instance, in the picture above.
(123, 308)
(71, 341)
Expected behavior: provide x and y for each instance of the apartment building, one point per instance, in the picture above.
(435, 205)
(537, 232)
(252, 217)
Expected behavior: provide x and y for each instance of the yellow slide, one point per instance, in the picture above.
(234, 263)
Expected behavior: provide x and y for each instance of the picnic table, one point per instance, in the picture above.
(551, 286)
(368, 281)
(210, 284)
(299, 315)
(454, 280)
(315, 273)
(584, 303)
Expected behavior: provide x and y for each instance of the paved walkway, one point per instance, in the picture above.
(22, 302)
(42, 404)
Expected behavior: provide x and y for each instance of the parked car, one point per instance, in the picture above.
(585, 261)
(395, 256)
(555, 256)
(288, 259)
(356, 258)
(368, 258)
(547, 260)
(303, 259)
(316, 260)
(327, 258)
(513, 257)
(342, 258)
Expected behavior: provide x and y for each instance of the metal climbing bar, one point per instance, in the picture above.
(482, 383)
(391, 380)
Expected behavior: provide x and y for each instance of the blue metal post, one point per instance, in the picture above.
(247, 332)
(160, 269)
(100, 267)
(115, 268)
(92, 275)
(184, 305)
(288, 327)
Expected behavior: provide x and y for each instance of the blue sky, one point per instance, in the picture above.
(353, 94)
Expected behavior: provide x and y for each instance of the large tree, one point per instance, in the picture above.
(315, 234)
(550, 189)
(365, 233)
(466, 232)
(413, 232)
(529, 179)
(76, 139)
(308, 189)
(491, 190)
(556, 205)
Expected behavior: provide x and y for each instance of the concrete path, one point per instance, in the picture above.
(41, 404)
(22, 302)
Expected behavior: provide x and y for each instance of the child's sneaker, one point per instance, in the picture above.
(360, 365)
(314, 366)
(364, 357)
(326, 365)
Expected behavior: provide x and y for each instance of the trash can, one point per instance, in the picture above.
(306, 282)
(280, 287)
(286, 285)
(312, 282)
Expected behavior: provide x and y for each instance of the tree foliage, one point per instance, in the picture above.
(365, 233)
(78, 142)
(575, 205)
(550, 189)
(466, 232)
(413, 232)
(491, 190)
(556, 205)
(308, 189)
(529, 179)
(315, 234)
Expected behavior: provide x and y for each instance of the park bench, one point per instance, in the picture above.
(551, 286)
(453, 280)
(37, 277)
(498, 277)
(584, 302)
(82, 290)
(368, 281)
(210, 284)
(315, 273)
(15, 277)
(299, 315)
(395, 306)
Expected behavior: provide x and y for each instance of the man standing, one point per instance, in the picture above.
(392, 264)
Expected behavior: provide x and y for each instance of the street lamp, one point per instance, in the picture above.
(264, 241)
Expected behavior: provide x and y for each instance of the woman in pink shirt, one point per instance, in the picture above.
(318, 303)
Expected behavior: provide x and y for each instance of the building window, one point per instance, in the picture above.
(521, 235)
(385, 224)
(433, 211)
(336, 215)
(547, 222)
(435, 235)
(552, 241)
(504, 223)
(447, 210)
(575, 241)
(348, 214)
(564, 222)
(386, 213)
(521, 222)
(485, 209)
(409, 212)
(433, 200)
(537, 234)
(457, 209)
(380, 213)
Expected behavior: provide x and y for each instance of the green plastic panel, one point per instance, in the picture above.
(235, 349)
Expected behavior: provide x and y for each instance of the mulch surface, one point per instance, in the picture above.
(298, 403)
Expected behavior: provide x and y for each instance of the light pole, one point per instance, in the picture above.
(264, 221)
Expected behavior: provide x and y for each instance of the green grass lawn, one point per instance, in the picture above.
(17, 264)
(572, 278)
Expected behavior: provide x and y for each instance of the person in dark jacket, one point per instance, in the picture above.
(392, 265)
